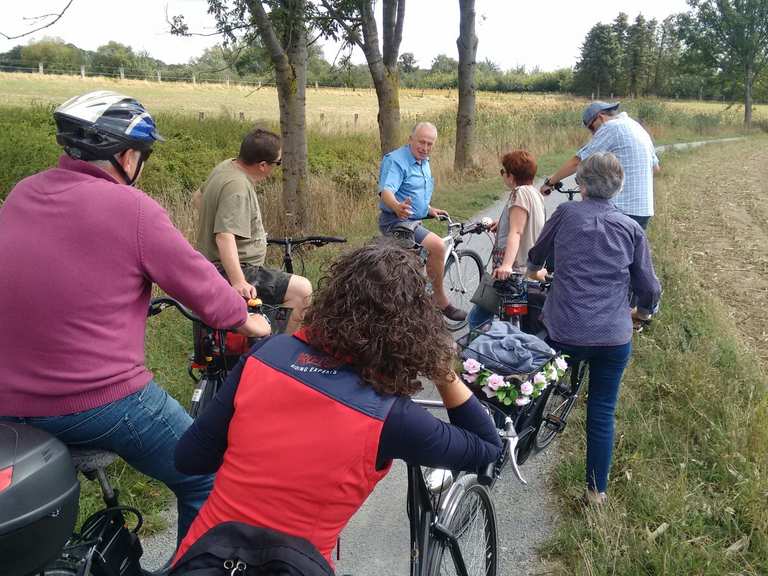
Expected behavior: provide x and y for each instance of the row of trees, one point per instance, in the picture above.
(717, 43)
(718, 48)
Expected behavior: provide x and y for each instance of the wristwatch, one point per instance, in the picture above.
(547, 182)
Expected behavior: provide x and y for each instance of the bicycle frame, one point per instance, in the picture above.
(424, 514)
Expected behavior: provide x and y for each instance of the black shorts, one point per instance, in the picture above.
(271, 285)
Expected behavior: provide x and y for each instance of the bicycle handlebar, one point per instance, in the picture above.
(314, 240)
(571, 193)
(157, 305)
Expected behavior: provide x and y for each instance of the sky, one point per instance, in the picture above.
(544, 34)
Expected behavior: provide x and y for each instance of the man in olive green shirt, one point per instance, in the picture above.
(231, 233)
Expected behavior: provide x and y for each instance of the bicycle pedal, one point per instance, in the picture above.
(555, 422)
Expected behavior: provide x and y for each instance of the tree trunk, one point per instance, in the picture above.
(383, 67)
(465, 117)
(290, 60)
(748, 81)
(388, 96)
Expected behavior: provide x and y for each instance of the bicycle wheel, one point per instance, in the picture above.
(560, 401)
(470, 518)
(460, 281)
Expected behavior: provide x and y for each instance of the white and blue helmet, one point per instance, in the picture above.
(98, 125)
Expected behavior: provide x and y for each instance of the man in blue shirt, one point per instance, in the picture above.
(405, 189)
(615, 132)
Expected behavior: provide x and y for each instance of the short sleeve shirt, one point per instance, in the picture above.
(406, 177)
(631, 144)
(529, 199)
(230, 205)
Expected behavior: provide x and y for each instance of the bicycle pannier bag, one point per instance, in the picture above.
(485, 296)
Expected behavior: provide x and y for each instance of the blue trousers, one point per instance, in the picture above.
(606, 367)
(143, 429)
(478, 316)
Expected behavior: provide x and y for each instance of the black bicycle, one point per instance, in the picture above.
(295, 248)
(215, 351)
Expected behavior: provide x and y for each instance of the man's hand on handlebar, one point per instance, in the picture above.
(245, 289)
(437, 213)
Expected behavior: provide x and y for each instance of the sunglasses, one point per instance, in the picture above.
(502, 172)
(277, 162)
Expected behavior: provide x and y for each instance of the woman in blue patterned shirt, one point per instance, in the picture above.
(600, 254)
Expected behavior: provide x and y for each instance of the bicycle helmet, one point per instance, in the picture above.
(99, 125)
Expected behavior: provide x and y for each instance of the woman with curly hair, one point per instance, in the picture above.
(307, 424)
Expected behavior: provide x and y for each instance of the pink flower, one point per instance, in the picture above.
(522, 400)
(561, 363)
(472, 366)
(526, 388)
(495, 381)
(469, 378)
(539, 378)
(488, 392)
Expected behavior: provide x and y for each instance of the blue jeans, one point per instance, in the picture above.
(143, 429)
(478, 316)
(606, 366)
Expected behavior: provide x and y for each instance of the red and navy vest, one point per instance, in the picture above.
(301, 447)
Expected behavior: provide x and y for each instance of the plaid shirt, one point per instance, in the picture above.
(632, 145)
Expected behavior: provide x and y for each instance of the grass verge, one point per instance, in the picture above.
(689, 484)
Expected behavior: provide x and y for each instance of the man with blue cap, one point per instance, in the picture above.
(615, 132)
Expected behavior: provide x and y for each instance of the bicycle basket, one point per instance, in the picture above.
(515, 360)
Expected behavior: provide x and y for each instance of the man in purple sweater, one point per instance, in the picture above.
(80, 248)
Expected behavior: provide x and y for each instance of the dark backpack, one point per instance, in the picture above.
(238, 549)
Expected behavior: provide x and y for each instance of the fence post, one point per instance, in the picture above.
(259, 84)
(316, 87)
(159, 78)
(242, 116)
(322, 117)
(611, 98)
(201, 116)
(356, 115)
(40, 68)
(227, 80)
(122, 73)
(82, 71)
(194, 80)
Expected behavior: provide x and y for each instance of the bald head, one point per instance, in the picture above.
(421, 140)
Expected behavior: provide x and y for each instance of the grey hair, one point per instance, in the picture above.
(421, 125)
(601, 174)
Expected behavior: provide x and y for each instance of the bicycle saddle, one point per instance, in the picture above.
(91, 459)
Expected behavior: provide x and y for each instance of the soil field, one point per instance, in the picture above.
(721, 218)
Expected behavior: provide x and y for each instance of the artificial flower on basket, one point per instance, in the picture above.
(513, 389)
